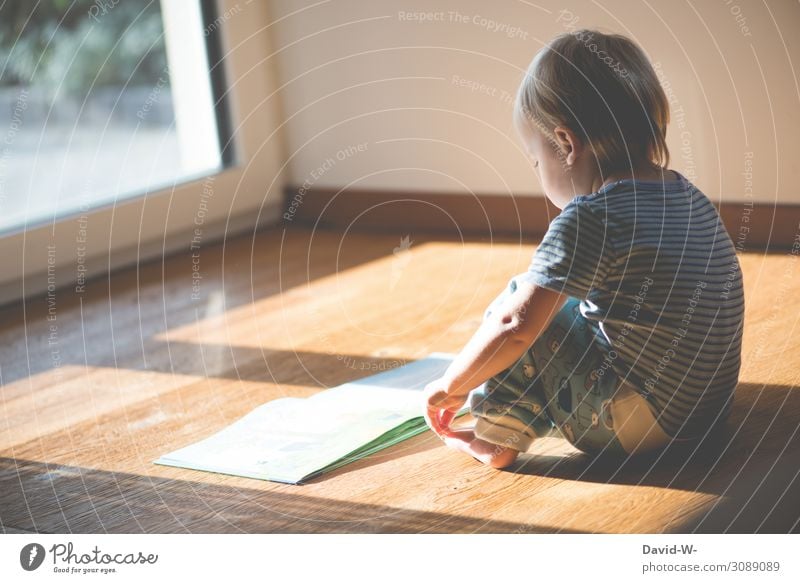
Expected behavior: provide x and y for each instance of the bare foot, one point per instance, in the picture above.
(496, 456)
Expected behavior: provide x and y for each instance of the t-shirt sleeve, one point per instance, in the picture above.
(574, 255)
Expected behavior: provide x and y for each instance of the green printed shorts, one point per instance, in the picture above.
(553, 389)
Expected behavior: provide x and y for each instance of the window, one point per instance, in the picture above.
(104, 100)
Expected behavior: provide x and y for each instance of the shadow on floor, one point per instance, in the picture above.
(752, 464)
(56, 498)
(143, 301)
(225, 361)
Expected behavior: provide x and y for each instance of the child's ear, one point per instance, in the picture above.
(569, 143)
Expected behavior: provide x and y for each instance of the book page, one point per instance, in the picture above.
(289, 438)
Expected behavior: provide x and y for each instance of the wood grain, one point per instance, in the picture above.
(141, 368)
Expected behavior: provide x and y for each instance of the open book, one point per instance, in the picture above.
(292, 440)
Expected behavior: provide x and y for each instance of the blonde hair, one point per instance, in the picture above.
(603, 88)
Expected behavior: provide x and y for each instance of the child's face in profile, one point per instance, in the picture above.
(549, 161)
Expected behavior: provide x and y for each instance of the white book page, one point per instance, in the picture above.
(290, 438)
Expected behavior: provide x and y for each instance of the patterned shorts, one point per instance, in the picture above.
(553, 389)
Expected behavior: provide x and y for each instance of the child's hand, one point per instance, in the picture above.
(441, 407)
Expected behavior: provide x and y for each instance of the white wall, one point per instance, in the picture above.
(355, 72)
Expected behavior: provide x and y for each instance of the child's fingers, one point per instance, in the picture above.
(441, 409)
(446, 418)
(432, 419)
(436, 423)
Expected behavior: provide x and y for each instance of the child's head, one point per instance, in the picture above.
(590, 104)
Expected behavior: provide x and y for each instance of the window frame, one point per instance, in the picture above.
(247, 190)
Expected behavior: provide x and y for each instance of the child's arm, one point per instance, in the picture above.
(499, 342)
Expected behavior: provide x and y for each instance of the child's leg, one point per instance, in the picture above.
(564, 384)
(578, 381)
(509, 410)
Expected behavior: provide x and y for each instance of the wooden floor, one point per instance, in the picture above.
(135, 368)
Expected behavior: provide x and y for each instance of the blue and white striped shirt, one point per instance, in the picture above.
(661, 283)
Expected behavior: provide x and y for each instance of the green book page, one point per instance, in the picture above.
(407, 430)
(290, 439)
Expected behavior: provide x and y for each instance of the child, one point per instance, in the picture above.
(625, 332)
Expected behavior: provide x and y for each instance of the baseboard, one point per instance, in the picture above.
(753, 227)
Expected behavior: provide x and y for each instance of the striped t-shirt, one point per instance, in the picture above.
(661, 285)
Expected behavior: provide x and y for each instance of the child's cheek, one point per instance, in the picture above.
(549, 177)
